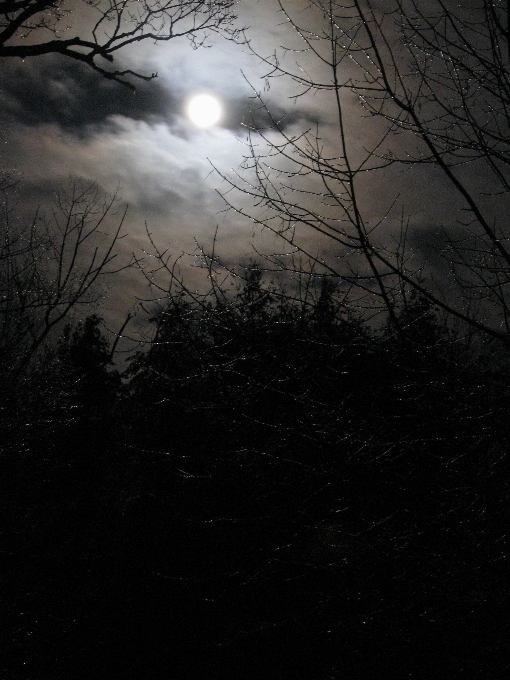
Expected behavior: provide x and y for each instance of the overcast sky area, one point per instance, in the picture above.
(60, 119)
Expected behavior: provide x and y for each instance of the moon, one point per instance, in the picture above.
(204, 110)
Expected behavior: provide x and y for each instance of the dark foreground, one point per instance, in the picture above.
(259, 497)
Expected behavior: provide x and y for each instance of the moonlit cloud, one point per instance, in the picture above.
(59, 119)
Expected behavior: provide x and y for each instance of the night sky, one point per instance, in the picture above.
(61, 119)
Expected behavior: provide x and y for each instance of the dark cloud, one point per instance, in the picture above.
(72, 96)
(249, 113)
(51, 90)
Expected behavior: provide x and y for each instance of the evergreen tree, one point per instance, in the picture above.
(85, 359)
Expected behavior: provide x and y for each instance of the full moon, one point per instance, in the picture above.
(204, 110)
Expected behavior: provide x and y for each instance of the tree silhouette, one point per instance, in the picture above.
(52, 267)
(272, 488)
(426, 76)
(86, 358)
(30, 28)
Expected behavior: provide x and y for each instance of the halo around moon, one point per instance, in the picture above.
(204, 110)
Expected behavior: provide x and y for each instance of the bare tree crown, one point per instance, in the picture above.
(432, 82)
(93, 31)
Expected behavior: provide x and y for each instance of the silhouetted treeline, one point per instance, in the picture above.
(271, 490)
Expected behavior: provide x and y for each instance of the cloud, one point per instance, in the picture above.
(52, 90)
(62, 119)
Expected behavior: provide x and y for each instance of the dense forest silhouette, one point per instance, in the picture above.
(269, 490)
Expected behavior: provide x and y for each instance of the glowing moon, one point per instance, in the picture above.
(204, 110)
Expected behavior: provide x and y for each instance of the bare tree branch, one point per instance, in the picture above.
(107, 27)
(435, 80)
(53, 266)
